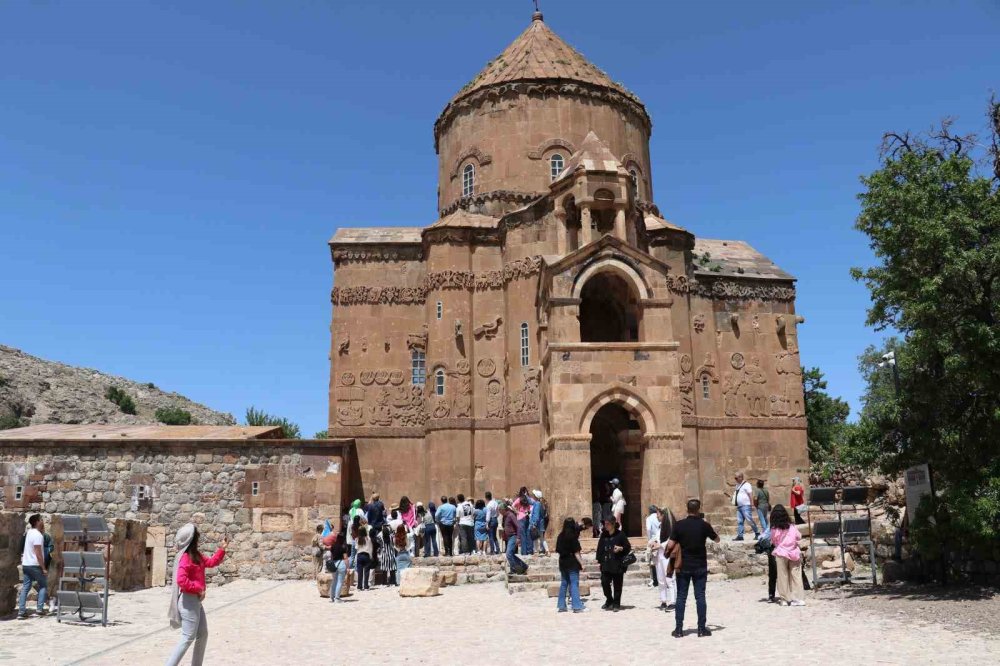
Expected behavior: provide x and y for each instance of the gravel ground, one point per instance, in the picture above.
(960, 608)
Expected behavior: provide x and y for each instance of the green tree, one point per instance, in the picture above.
(120, 398)
(932, 216)
(173, 416)
(256, 417)
(322, 434)
(826, 417)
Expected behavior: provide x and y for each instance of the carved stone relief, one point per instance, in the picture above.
(486, 367)
(686, 385)
(755, 323)
(417, 341)
(729, 289)
(788, 368)
(344, 345)
(364, 345)
(754, 387)
(347, 378)
(731, 384)
(488, 330)
(699, 323)
(496, 405)
(458, 328)
(737, 361)
(526, 399)
(463, 395)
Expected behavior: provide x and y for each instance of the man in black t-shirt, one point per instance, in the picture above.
(691, 534)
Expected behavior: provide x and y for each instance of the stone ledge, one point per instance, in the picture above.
(768, 422)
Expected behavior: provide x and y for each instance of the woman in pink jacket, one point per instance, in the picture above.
(186, 612)
(788, 558)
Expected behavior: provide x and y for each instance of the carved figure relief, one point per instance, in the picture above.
(463, 398)
(441, 408)
(526, 400)
(344, 346)
(699, 323)
(686, 385)
(731, 384)
(417, 341)
(486, 367)
(754, 383)
(488, 330)
(386, 345)
(755, 323)
(787, 366)
(495, 403)
(414, 414)
(364, 345)
(381, 412)
(737, 361)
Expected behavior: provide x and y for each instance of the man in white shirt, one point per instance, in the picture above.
(653, 542)
(492, 522)
(466, 523)
(33, 567)
(743, 501)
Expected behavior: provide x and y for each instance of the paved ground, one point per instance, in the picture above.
(266, 623)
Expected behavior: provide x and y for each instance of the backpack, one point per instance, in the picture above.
(331, 565)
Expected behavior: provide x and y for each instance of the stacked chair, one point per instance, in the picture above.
(83, 569)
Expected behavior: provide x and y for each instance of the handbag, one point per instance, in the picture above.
(629, 559)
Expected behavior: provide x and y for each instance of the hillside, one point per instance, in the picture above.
(33, 391)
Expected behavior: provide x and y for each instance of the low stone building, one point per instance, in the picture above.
(265, 493)
(552, 328)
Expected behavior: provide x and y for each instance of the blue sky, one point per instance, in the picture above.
(169, 177)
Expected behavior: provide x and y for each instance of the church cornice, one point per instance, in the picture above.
(503, 196)
(468, 280)
(730, 289)
(546, 88)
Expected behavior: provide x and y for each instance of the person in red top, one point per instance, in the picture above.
(797, 499)
(189, 591)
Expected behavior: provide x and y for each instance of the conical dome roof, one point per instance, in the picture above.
(539, 54)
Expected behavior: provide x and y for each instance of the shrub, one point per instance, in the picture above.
(173, 416)
(120, 398)
(256, 417)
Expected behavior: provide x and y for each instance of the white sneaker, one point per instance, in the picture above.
(797, 602)
(782, 602)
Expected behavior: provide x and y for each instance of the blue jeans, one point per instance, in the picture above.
(744, 513)
(571, 580)
(684, 579)
(403, 561)
(430, 540)
(337, 581)
(491, 528)
(762, 515)
(354, 556)
(512, 559)
(33, 575)
(527, 548)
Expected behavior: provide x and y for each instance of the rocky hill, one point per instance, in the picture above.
(33, 390)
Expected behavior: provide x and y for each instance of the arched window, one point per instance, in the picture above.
(706, 387)
(439, 382)
(440, 309)
(524, 344)
(555, 166)
(418, 368)
(468, 180)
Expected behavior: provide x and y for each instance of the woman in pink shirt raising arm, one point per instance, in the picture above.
(785, 537)
(189, 591)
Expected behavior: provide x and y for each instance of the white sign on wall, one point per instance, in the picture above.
(918, 486)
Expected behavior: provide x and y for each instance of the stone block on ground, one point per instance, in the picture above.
(420, 582)
(553, 590)
(448, 578)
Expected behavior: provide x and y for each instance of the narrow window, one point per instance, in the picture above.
(141, 492)
(255, 488)
(439, 382)
(468, 180)
(440, 309)
(418, 368)
(524, 344)
(706, 393)
(18, 493)
(635, 183)
(555, 166)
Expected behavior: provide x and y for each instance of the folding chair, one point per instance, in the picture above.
(97, 528)
(72, 567)
(72, 528)
(67, 603)
(93, 564)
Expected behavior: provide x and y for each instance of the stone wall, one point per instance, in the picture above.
(11, 530)
(266, 496)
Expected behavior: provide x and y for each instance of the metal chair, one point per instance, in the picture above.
(854, 495)
(72, 567)
(97, 528)
(72, 528)
(822, 496)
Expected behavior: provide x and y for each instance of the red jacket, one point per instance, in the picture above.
(191, 576)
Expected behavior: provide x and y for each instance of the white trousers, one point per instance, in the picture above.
(668, 586)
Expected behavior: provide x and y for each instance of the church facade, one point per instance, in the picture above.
(551, 328)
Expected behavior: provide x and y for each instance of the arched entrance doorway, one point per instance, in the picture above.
(609, 310)
(616, 453)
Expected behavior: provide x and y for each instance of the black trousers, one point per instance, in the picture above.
(612, 586)
(466, 539)
(447, 539)
(364, 562)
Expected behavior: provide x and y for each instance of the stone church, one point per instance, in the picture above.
(551, 328)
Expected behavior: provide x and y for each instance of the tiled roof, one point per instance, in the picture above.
(735, 259)
(376, 235)
(464, 219)
(540, 54)
(654, 223)
(593, 155)
(62, 431)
